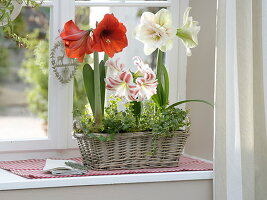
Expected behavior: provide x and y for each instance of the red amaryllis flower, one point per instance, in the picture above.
(77, 42)
(109, 36)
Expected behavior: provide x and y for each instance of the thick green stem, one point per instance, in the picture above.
(159, 66)
(137, 110)
(98, 109)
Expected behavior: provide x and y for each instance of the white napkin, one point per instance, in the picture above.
(59, 168)
(51, 165)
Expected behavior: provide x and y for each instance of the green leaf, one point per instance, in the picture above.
(162, 97)
(102, 84)
(156, 100)
(75, 165)
(166, 86)
(88, 79)
(160, 94)
(190, 100)
(3, 16)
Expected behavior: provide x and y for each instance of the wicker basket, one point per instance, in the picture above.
(131, 151)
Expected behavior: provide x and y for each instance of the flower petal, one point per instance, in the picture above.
(167, 46)
(186, 14)
(188, 32)
(147, 17)
(115, 66)
(77, 42)
(109, 36)
(163, 17)
(155, 31)
(149, 50)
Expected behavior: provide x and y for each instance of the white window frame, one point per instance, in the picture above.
(60, 96)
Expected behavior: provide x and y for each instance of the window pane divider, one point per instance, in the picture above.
(123, 3)
(44, 3)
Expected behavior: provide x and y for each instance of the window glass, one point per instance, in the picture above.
(24, 78)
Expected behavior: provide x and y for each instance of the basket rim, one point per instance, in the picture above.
(129, 134)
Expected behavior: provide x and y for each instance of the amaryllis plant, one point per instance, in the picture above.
(157, 33)
(109, 36)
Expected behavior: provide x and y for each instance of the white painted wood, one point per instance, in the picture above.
(60, 95)
(176, 61)
(9, 181)
(175, 190)
(124, 4)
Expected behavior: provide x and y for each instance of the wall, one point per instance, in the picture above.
(200, 80)
(190, 190)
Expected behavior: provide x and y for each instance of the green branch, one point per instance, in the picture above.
(6, 8)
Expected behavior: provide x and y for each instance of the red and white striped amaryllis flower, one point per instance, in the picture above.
(138, 87)
(147, 86)
(123, 85)
(141, 66)
(115, 66)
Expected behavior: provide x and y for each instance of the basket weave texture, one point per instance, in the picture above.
(131, 151)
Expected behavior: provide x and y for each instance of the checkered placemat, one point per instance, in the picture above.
(33, 169)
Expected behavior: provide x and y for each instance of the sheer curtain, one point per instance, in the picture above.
(240, 146)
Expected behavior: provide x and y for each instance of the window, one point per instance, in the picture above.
(24, 98)
(60, 96)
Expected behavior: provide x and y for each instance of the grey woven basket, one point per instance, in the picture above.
(131, 151)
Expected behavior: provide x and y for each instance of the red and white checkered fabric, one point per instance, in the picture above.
(33, 168)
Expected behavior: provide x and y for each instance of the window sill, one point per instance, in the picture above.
(9, 181)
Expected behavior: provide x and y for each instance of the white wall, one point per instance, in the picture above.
(181, 190)
(200, 80)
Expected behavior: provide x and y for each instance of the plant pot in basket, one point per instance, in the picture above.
(131, 151)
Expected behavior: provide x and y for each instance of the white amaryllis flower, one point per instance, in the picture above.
(147, 86)
(142, 68)
(115, 66)
(188, 32)
(123, 85)
(155, 31)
